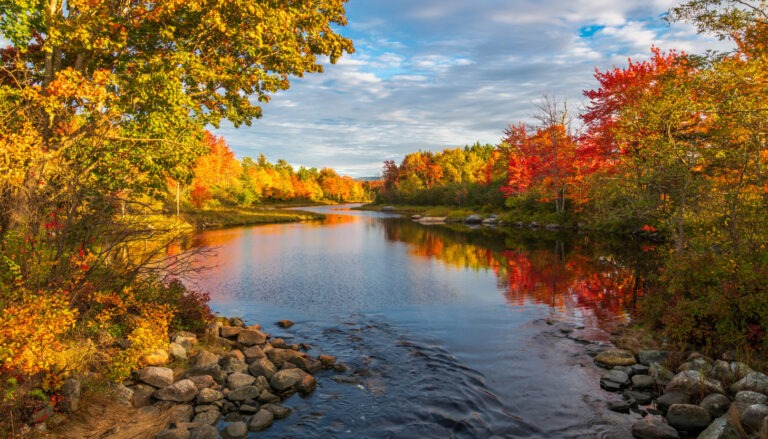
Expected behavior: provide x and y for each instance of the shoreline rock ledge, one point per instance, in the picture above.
(699, 397)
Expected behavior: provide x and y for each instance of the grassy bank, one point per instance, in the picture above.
(234, 217)
(539, 214)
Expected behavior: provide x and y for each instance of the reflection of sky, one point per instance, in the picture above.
(355, 264)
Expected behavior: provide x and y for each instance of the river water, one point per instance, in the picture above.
(447, 331)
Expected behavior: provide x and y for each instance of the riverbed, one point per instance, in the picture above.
(446, 331)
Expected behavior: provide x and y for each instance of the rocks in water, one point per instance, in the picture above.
(619, 406)
(716, 404)
(180, 391)
(473, 219)
(615, 357)
(262, 367)
(285, 323)
(688, 417)
(156, 376)
(287, 380)
(694, 383)
(278, 410)
(720, 429)
(642, 398)
(244, 393)
(388, 209)
(652, 427)
(614, 380)
(261, 420)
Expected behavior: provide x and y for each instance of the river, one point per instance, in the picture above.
(446, 332)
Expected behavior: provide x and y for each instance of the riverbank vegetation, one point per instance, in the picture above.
(673, 145)
(103, 108)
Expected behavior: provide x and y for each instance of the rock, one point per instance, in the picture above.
(231, 365)
(173, 433)
(204, 432)
(716, 404)
(186, 339)
(253, 353)
(234, 353)
(668, 399)
(237, 380)
(642, 398)
(652, 427)
(235, 430)
(327, 361)
(278, 343)
(261, 420)
(285, 323)
(619, 406)
(155, 358)
(642, 382)
(615, 357)
(230, 331)
(648, 357)
(388, 209)
(236, 321)
(639, 369)
(278, 410)
(753, 381)
(207, 396)
(661, 374)
(70, 393)
(214, 371)
(156, 376)
(244, 393)
(614, 380)
(210, 417)
(307, 385)
(142, 395)
(267, 397)
(490, 221)
(752, 417)
(694, 383)
(285, 380)
(180, 391)
(203, 381)
(552, 226)
(473, 219)
(204, 358)
(123, 394)
(251, 337)
(262, 367)
(699, 364)
(249, 409)
(729, 372)
(205, 408)
(719, 429)
(181, 413)
(177, 351)
(688, 417)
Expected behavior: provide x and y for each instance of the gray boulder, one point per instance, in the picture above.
(642, 382)
(719, 429)
(473, 219)
(244, 393)
(142, 395)
(652, 427)
(180, 391)
(716, 404)
(210, 417)
(688, 417)
(204, 358)
(669, 398)
(661, 374)
(213, 370)
(156, 376)
(235, 430)
(753, 381)
(237, 380)
(614, 380)
(177, 351)
(207, 396)
(278, 410)
(693, 382)
(70, 393)
(262, 367)
(261, 420)
(204, 431)
(648, 357)
(747, 397)
(250, 337)
(286, 380)
(729, 372)
(753, 416)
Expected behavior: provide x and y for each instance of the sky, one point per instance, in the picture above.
(436, 74)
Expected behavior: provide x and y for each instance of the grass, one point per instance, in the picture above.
(233, 217)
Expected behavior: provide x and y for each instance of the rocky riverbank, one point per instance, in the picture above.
(229, 383)
(689, 396)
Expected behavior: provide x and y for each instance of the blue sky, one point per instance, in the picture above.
(434, 74)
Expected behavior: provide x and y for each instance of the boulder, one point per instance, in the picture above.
(180, 413)
(202, 381)
(262, 367)
(253, 353)
(204, 431)
(173, 433)
(156, 376)
(177, 351)
(719, 429)
(284, 323)
(752, 417)
(716, 404)
(251, 337)
(230, 331)
(661, 374)
(614, 380)
(237, 380)
(142, 395)
(185, 339)
(207, 396)
(307, 385)
(267, 397)
(388, 209)
(729, 372)
(619, 406)
(688, 417)
(157, 357)
(232, 365)
(210, 417)
(327, 361)
(753, 381)
(669, 398)
(642, 382)
(615, 357)
(70, 393)
(287, 380)
(278, 410)
(642, 398)
(180, 391)
(213, 370)
(235, 430)
(694, 383)
(473, 219)
(244, 393)
(652, 427)
(699, 364)
(261, 420)
(204, 358)
(123, 395)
